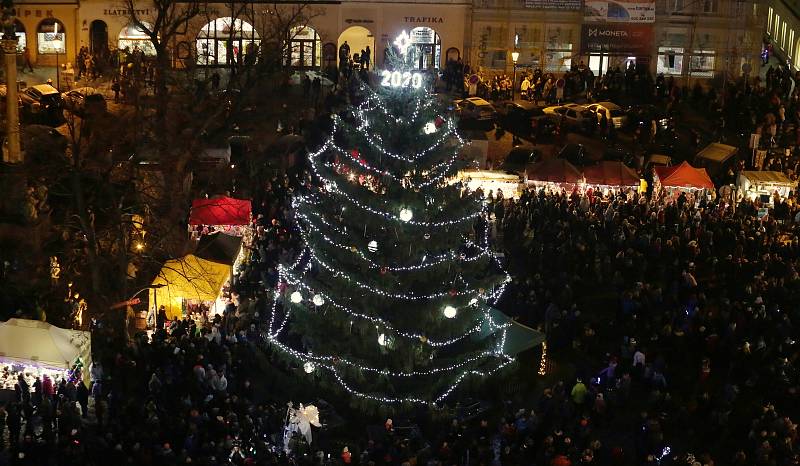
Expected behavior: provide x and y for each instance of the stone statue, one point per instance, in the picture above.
(9, 28)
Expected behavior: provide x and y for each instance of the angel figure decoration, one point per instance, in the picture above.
(299, 420)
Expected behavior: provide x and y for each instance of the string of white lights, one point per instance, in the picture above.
(487, 318)
(430, 262)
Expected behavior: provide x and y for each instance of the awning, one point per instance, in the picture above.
(684, 176)
(220, 211)
(519, 337)
(610, 173)
(768, 177)
(716, 152)
(189, 277)
(38, 343)
(554, 171)
(219, 247)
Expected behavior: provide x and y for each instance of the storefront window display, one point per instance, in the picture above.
(51, 37)
(558, 57)
(305, 47)
(428, 47)
(226, 41)
(670, 61)
(132, 37)
(22, 39)
(702, 64)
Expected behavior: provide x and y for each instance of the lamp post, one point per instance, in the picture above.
(155, 296)
(514, 58)
(9, 46)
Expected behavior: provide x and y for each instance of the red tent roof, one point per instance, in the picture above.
(610, 173)
(554, 171)
(220, 211)
(684, 176)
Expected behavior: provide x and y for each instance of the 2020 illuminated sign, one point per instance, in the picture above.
(401, 79)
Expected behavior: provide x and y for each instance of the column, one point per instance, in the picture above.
(13, 154)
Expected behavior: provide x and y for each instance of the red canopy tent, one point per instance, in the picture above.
(225, 212)
(610, 173)
(554, 171)
(683, 176)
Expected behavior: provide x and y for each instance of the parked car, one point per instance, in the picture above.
(475, 111)
(525, 119)
(642, 115)
(574, 154)
(519, 158)
(613, 112)
(42, 104)
(84, 100)
(577, 117)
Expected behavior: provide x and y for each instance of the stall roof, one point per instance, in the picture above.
(610, 173)
(716, 152)
(220, 211)
(39, 343)
(219, 247)
(554, 171)
(189, 277)
(684, 176)
(770, 177)
(519, 337)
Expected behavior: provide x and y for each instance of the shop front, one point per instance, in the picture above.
(107, 28)
(49, 32)
(611, 45)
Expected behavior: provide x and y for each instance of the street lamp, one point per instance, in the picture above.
(155, 296)
(514, 58)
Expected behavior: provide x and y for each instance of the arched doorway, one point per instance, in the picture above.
(305, 48)
(358, 38)
(98, 36)
(227, 41)
(22, 40)
(132, 37)
(428, 46)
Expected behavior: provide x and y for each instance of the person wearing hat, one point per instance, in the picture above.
(347, 457)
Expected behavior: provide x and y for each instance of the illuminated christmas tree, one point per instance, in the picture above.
(390, 301)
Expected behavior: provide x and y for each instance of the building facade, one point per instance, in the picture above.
(682, 38)
(781, 28)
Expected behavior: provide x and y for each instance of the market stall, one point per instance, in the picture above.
(764, 185)
(607, 175)
(714, 157)
(34, 349)
(189, 281)
(554, 174)
(490, 181)
(681, 178)
(225, 214)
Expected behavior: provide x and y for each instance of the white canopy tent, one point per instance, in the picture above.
(31, 343)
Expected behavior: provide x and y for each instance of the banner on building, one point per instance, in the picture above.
(619, 12)
(617, 38)
(570, 5)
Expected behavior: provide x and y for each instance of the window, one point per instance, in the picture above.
(131, 37)
(710, 6)
(558, 57)
(670, 61)
(305, 47)
(22, 41)
(51, 37)
(789, 48)
(777, 25)
(783, 36)
(702, 64)
(769, 20)
(227, 41)
(675, 5)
